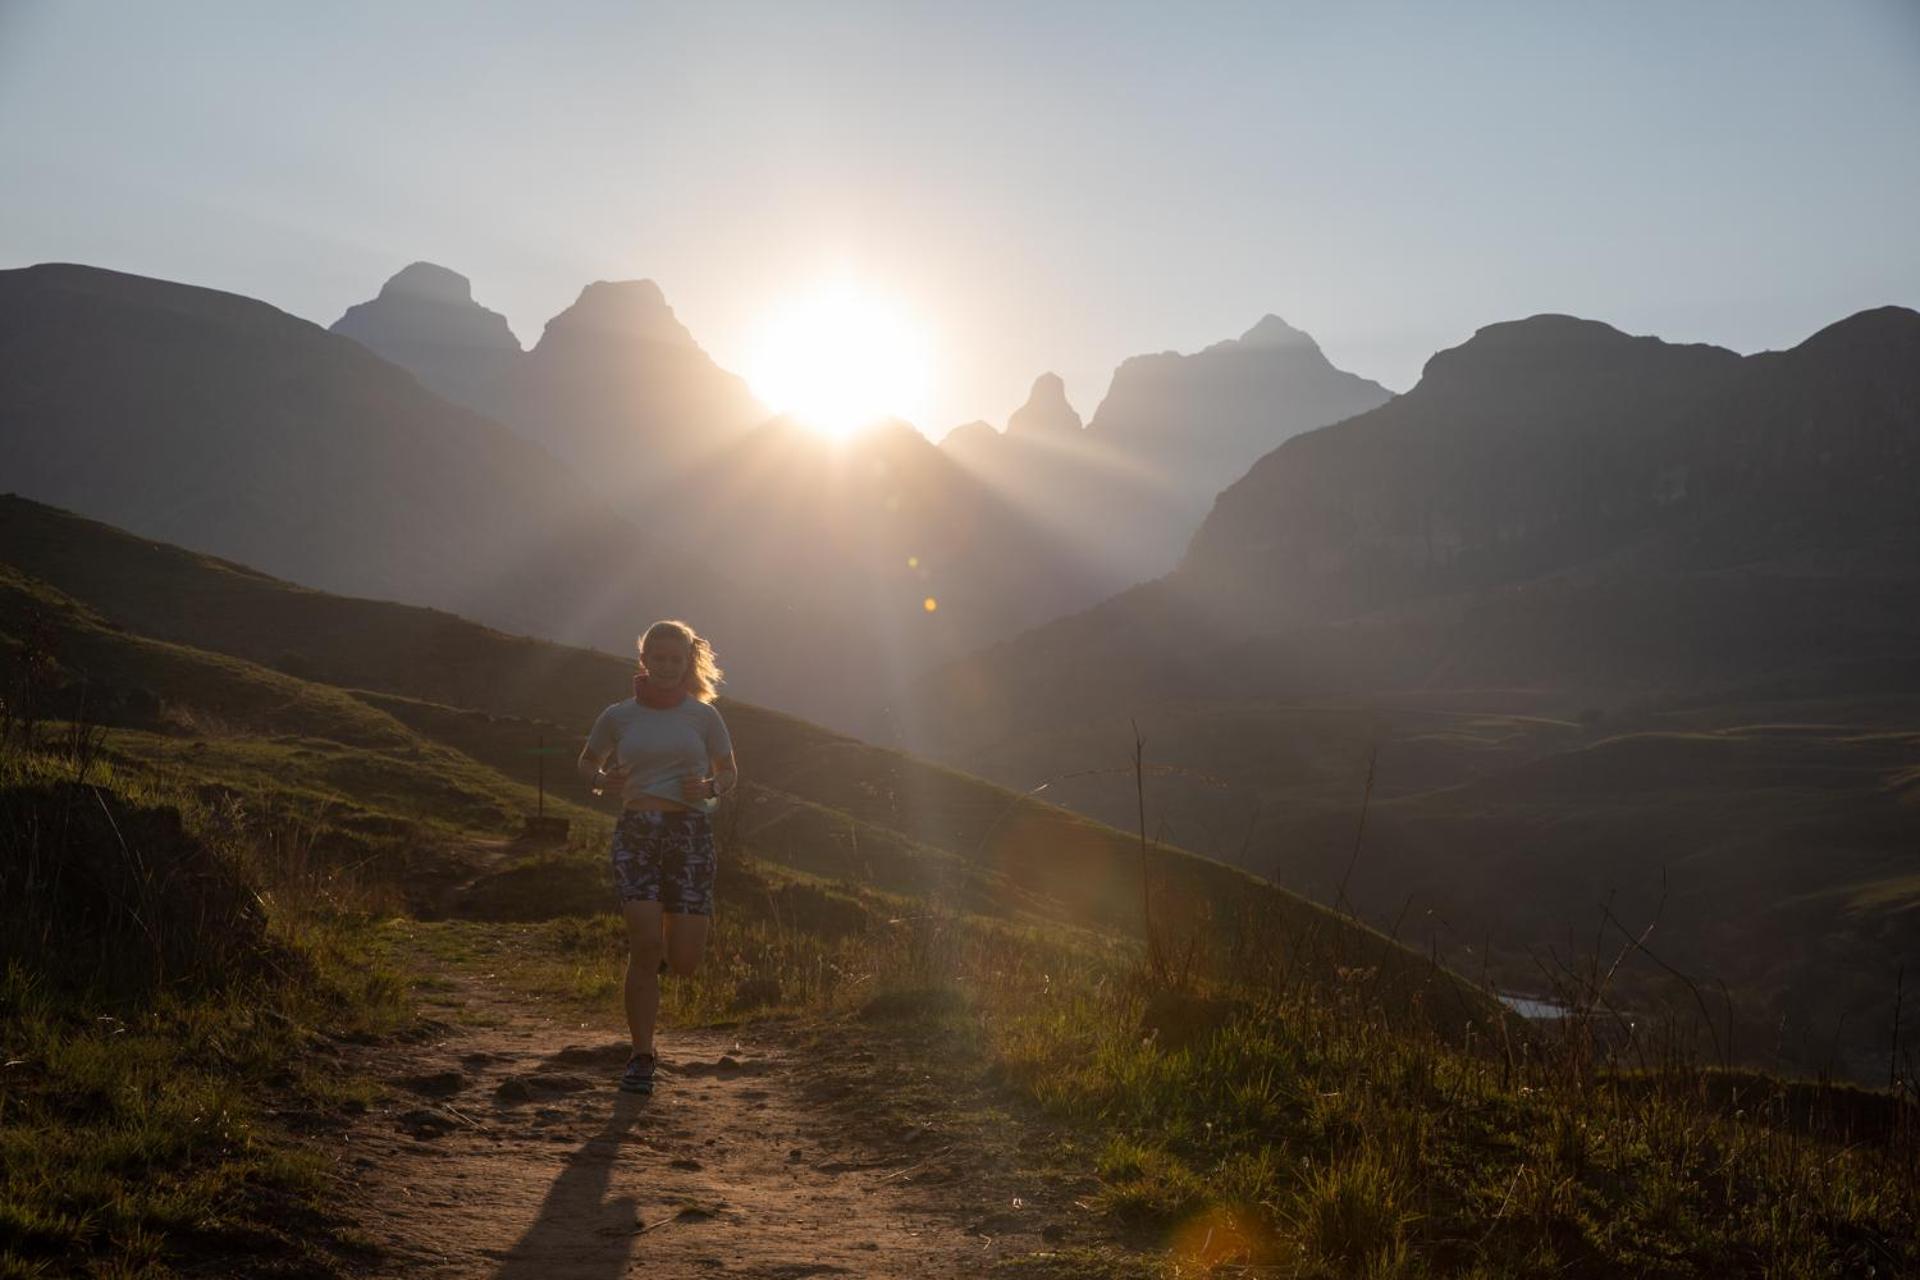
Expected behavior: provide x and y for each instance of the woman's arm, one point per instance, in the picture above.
(724, 778)
(588, 767)
(602, 739)
(726, 774)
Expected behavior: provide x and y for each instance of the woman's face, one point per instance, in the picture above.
(666, 657)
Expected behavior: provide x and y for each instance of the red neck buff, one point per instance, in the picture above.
(648, 695)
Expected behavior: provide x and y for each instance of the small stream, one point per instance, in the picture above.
(1533, 1006)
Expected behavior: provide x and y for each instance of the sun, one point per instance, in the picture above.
(838, 358)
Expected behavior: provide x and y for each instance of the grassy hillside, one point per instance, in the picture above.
(1770, 837)
(1269, 1085)
(191, 714)
(176, 982)
(417, 665)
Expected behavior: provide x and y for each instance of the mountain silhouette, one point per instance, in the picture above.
(1556, 503)
(1534, 444)
(221, 423)
(1133, 484)
(230, 427)
(426, 320)
(1046, 411)
(616, 314)
(1554, 444)
(1199, 421)
(616, 386)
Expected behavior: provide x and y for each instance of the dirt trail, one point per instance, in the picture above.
(506, 1152)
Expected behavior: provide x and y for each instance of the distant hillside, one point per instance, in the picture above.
(1563, 547)
(1133, 484)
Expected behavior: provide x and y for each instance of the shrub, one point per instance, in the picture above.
(99, 893)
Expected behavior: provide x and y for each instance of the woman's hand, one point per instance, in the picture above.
(696, 790)
(589, 770)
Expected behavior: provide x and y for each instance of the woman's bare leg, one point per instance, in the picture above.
(686, 942)
(645, 946)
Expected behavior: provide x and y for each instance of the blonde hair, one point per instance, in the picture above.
(703, 672)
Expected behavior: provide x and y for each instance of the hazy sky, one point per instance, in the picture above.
(1050, 186)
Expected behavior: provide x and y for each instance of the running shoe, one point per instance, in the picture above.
(638, 1077)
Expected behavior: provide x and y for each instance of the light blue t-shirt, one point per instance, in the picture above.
(660, 746)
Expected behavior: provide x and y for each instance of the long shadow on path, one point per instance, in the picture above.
(579, 1233)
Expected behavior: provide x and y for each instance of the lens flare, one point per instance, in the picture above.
(1218, 1238)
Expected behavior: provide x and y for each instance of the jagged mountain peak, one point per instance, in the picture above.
(627, 310)
(1046, 411)
(1272, 331)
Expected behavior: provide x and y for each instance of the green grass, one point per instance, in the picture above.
(152, 1056)
(140, 1137)
(190, 715)
(1310, 1129)
(1343, 1145)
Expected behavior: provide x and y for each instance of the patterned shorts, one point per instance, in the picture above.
(665, 857)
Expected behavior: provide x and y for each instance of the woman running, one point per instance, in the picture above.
(667, 750)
